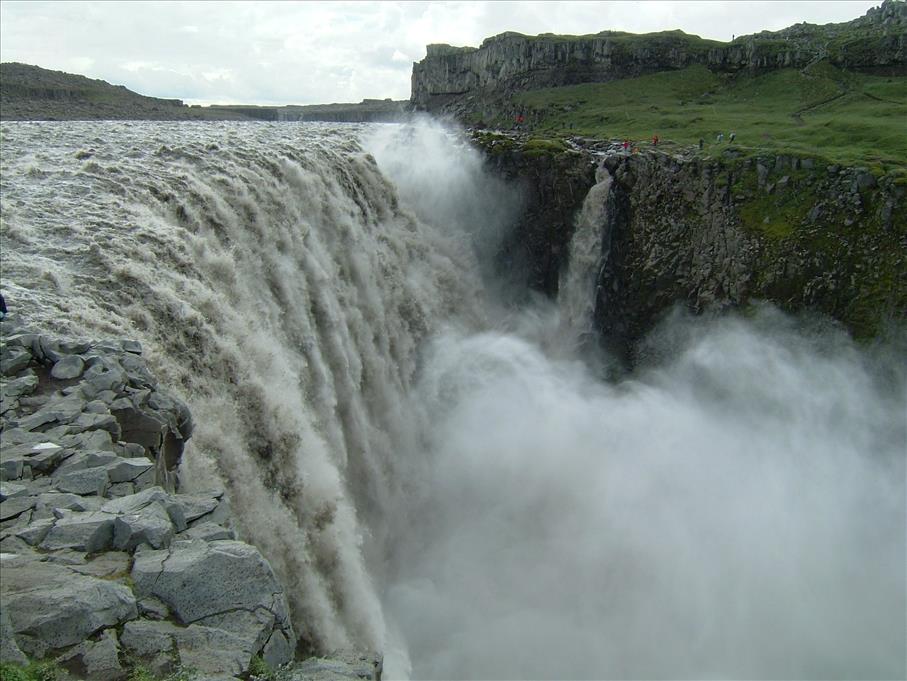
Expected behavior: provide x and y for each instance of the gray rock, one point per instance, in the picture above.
(89, 532)
(151, 526)
(153, 608)
(278, 650)
(131, 450)
(34, 533)
(136, 502)
(98, 440)
(208, 532)
(11, 490)
(110, 564)
(120, 489)
(52, 606)
(127, 470)
(146, 480)
(18, 387)
(99, 660)
(62, 410)
(141, 427)
(68, 368)
(148, 639)
(85, 459)
(57, 501)
(195, 506)
(105, 374)
(9, 649)
(88, 481)
(47, 459)
(339, 666)
(67, 557)
(13, 360)
(213, 651)
(91, 421)
(11, 467)
(16, 506)
(198, 579)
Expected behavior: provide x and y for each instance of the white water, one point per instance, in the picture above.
(441, 478)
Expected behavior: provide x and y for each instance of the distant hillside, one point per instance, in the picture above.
(32, 93)
(479, 82)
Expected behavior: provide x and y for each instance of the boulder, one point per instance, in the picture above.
(208, 532)
(35, 532)
(226, 585)
(13, 360)
(51, 607)
(68, 368)
(127, 470)
(9, 649)
(151, 526)
(88, 532)
(96, 660)
(16, 506)
(340, 665)
(88, 481)
(9, 490)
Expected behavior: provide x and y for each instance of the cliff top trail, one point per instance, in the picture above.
(837, 91)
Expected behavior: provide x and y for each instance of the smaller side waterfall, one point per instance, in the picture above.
(589, 251)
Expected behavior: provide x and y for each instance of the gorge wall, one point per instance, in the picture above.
(714, 234)
(455, 79)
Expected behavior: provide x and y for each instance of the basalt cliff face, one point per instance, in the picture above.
(456, 79)
(709, 235)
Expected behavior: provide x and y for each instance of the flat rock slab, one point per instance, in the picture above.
(152, 526)
(340, 666)
(88, 532)
(198, 579)
(51, 607)
(15, 506)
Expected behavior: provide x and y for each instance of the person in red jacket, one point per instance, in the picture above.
(654, 140)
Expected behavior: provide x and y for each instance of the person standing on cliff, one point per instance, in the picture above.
(701, 142)
(626, 144)
(654, 140)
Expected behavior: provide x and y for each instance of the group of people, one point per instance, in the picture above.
(629, 146)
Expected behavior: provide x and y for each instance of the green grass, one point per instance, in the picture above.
(33, 671)
(824, 112)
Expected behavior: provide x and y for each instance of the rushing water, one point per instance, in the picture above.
(438, 474)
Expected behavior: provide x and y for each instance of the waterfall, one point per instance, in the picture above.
(589, 250)
(274, 283)
(446, 478)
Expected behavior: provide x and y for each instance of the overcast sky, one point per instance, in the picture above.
(320, 52)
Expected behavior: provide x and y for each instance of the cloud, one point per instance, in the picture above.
(308, 52)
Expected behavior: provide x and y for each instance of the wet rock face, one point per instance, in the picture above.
(709, 235)
(104, 564)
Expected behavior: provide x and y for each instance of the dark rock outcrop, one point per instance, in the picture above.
(713, 234)
(460, 80)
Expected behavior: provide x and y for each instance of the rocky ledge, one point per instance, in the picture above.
(105, 565)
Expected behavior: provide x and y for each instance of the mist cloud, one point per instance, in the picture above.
(736, 511)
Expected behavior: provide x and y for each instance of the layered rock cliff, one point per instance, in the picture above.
(449, 77)
(712, 234)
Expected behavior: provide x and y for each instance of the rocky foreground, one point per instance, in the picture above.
(106, 567)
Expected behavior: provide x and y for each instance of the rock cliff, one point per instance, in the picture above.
(713, 234)
(455, 79)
